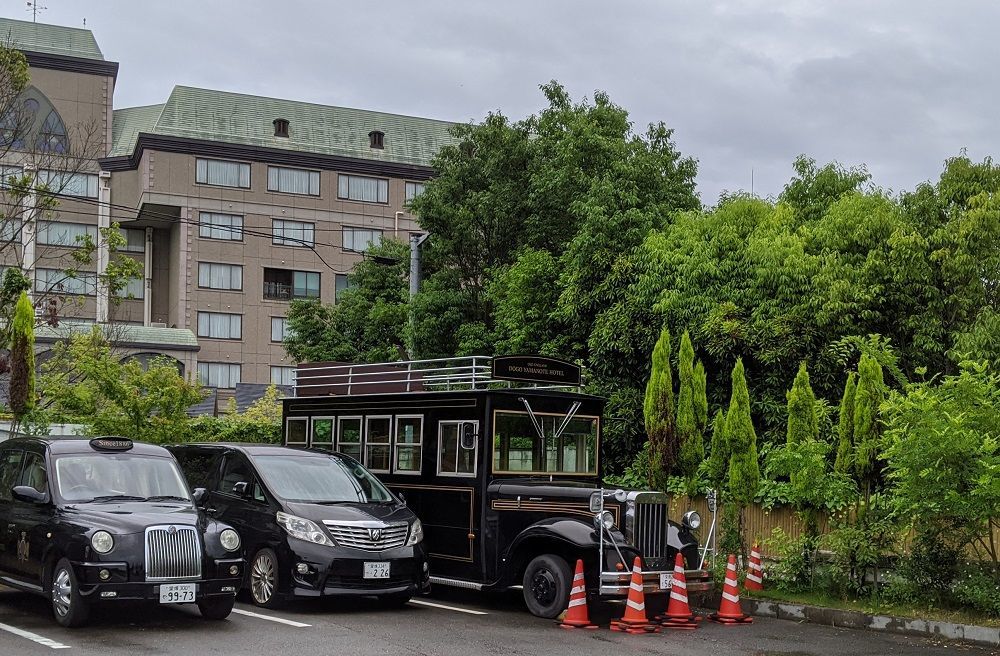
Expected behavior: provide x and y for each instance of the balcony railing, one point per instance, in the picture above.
(277, 291)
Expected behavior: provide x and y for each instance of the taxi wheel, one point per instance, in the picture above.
(263, 577)
(546, 585)
(216, 608)
(70, 609)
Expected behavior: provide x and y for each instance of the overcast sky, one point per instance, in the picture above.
(899, 85)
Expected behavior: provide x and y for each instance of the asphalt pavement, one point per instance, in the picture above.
(448, 623)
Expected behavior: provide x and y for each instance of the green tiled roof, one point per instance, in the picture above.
(163, 338)
(248, 120)
(53, 39)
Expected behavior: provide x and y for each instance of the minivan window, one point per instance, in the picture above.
(317, 479)
(109, 477)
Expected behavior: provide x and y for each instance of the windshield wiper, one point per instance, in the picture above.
(117, 497)
(167, 497)
(335, 502)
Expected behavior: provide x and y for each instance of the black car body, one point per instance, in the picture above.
(305, 535)
(109, 520)
(505, 477)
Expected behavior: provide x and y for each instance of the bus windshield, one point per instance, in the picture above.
(518, 448)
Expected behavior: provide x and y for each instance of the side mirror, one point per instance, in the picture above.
(199, 495)
(28, 494)
(596, 502)
(469, 436)
(240, 489)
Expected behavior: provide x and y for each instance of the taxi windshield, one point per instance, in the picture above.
(312, 479)
(119, 477)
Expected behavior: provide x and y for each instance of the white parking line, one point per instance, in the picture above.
(271, 618)
(421, 602)
(34, 637)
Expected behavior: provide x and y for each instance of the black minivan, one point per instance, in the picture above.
(314, 523)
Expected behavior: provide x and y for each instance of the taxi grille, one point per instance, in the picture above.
(369, 536)
(172, 552)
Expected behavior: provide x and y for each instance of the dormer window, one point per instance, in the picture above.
(280, 127)
(375, 139)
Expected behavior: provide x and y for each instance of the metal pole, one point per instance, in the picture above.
(415, 242)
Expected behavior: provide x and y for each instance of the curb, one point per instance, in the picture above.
(852, 619)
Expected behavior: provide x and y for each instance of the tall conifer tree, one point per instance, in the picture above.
(845, 428)
(658, 412)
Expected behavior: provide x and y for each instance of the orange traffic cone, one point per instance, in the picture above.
(634, 620)
(729, 610)
(576, 616)
(755, 573)
(679, 615)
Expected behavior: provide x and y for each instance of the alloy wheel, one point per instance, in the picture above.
(543, 586)
(62, 592)
(262, 578)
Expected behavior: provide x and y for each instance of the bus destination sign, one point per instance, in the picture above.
(535, 369)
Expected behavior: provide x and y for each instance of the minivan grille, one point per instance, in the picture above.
(172, 552)
(370, 536)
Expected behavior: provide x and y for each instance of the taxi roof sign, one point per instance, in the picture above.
(111, 443)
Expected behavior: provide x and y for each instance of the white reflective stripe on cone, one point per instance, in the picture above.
(731, 597)
(678, 597)
(752, 577)
(635, 586)
(731, 567)
(578, 590)
(679, 584)
(578, 577)
(635, 606)
(577, 602)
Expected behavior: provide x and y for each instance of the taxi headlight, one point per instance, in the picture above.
(230, 539)
(303, 529)
(691, 519)
(416, 533)
(102, 542)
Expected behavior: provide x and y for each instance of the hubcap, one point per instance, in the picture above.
(543, 586)
(62, 590)
(262, 578)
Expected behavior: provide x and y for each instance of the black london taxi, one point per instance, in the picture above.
(498, 457)
(88, 521)
(314, 523)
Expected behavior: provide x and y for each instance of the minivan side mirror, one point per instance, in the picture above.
(469, 436)
(199, 494)
(28, 494)
(240, 489)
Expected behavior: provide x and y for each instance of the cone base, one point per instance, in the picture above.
(730, 620)
(588, 627)
(625, 627)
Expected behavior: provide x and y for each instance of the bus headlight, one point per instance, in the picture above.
(691, 519)
(605, 519)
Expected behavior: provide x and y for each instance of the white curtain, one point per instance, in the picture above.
(225, 174)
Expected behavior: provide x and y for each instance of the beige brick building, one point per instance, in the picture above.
(235, 204)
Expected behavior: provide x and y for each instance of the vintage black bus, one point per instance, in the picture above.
(499, 458)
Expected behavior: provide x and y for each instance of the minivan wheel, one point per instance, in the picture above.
(68, 606)
(264, 579)
(546, 585)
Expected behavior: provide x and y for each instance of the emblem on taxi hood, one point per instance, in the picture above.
(374, 534)
(172, 530)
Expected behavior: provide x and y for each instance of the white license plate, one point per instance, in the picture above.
(378, 570)
(177, 593)
(666, 580)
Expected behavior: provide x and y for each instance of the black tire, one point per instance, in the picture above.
(216, 608)
(397, 600)
(68, 606)
(547, 581)
(263, 578)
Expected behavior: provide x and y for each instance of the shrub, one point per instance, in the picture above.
(979, 589)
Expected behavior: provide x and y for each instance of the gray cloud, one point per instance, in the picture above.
(747, 84)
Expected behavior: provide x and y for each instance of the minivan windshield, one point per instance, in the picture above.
(119, 477)
(320, 479)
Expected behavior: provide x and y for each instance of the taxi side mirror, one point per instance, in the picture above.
(469, 436)
(240, 489)
(28, 494)
(199, 494)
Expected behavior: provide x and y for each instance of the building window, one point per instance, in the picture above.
(413, 189)
(368, 190)
(135, 289)
(409, 441)
(56, 281)
(219, 374)
(220, 226)
(228, 277)
(279, 329)
(57, 233)
(376, 139)
(292, 181)
(223, 174)
(135, 240)
(10, 230)
(361, 239)
(283, 285)
(220, 325)
(283, 376)
(293, 233)
(7, 172)
(343, 284)
(377, 446)
(83, 185)
(280, 127)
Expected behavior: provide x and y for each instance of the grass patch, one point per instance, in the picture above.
(875, 607)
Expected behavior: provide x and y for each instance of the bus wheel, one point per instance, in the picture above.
(547, 581)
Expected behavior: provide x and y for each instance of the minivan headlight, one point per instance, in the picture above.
(230, 539)
(303, 529)
(416, 533)
(102, 542)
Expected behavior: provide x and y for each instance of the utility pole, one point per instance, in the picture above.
(415, 243)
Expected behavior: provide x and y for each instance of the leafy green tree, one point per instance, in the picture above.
(845, 428)
(658, 413)
(22, 359)
(692, 442)
(868, 398)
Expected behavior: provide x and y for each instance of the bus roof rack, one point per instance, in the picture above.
(437, 374)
